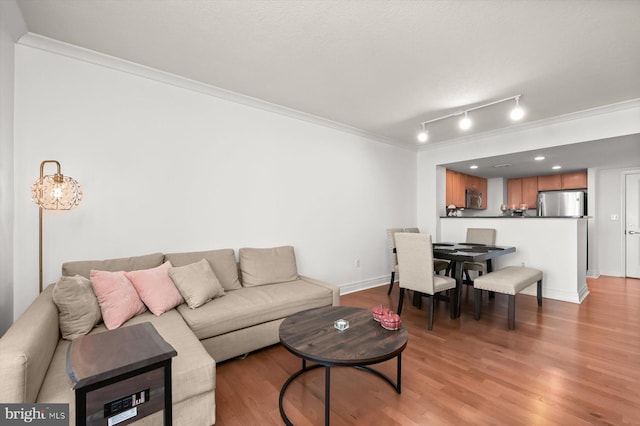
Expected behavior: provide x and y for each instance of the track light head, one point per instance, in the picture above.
(465, 122)
(517, 112)
(423, 136)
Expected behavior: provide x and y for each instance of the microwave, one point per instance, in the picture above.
(473, 199)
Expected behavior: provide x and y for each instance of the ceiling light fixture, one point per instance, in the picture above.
(539, 158)
(473, 166)
(423, 136)
(517, 112)
(465, 123)
(556, 167)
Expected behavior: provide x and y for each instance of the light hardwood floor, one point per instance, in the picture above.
(564, 364)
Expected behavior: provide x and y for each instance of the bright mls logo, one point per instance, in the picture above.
(34, 414)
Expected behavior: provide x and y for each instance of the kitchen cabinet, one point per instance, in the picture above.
(549, 182)
(455, 188)
(458, 182)
(514, 192)
(530, 191)
(574, 180)
(522, 191)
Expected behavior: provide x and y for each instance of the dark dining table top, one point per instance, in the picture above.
(469, 252)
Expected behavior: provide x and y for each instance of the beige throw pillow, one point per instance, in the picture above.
(222, 261)
(196, 283)
(78, 309)
(267, 265)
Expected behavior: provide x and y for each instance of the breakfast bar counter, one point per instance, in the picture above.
(556, 246)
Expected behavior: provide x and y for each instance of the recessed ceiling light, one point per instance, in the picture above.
(539, 158)
(473, 166)
(556, 167)
(502, 165)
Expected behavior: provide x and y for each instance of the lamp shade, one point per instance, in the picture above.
(56, 192)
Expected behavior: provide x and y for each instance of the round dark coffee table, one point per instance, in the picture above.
(311, 336)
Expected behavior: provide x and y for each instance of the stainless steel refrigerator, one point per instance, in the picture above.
(562, 203)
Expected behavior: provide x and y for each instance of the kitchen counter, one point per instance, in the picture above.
(556, 246)
(515, 217)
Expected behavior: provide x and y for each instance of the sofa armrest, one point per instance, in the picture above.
(334, 288)
(26, 350)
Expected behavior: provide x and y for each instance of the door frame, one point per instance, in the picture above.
(623, 218)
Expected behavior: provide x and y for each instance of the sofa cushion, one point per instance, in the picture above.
(77, 305)
(223, 263)
(117, 297)
(267, 265)
(156, 288)
(254, 305)
(84, 267)
(192, 371)
(197, 283)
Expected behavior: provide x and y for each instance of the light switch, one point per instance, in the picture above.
(615, 217)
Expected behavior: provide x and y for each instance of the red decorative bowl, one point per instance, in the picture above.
(391, 321)
(379, 312)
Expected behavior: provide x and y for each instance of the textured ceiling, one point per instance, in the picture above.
(379, 66)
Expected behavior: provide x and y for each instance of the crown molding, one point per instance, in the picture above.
(587, 113)
(40, 42)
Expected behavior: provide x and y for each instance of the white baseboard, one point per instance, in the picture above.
(363, 285)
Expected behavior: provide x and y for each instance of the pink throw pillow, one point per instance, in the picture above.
(117, 298)
(156, 288)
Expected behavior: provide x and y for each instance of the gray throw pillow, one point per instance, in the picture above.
(267, 265)
(78, 309)
(196, 283)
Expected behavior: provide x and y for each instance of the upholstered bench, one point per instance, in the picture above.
(511, 281)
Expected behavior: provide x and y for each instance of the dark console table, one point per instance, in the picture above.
(121, 376)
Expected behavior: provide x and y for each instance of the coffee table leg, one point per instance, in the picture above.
(399, 380)
(327, 394)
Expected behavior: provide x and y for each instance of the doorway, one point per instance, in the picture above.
(632, 225)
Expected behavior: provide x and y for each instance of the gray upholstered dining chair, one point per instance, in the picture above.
(415, 263)
(392, 251)
(438, 264)
(484, 236)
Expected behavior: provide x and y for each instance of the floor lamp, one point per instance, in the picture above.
(54, 192)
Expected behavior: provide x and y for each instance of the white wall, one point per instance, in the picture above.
(12, 26)
(169, 169)
(581, 127)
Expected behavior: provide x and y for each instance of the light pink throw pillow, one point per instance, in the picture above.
(156, 288)
(117, 298)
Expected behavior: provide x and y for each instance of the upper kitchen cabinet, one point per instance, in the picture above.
(549, 182)
(458, 183)
(522, 191)
(576, 180)
(455, 188)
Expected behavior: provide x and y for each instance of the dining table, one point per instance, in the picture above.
(458, 254)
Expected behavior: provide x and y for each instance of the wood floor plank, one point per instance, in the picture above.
(564, 364)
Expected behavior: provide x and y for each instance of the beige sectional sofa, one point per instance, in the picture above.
(260, 293)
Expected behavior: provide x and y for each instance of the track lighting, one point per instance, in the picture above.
(423, 135)
(517, 112)
(465, 122)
